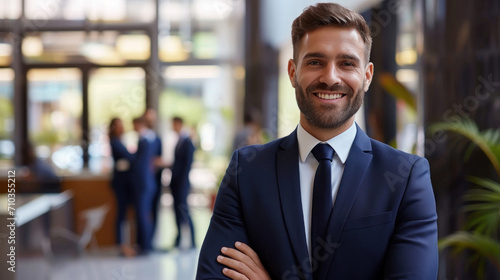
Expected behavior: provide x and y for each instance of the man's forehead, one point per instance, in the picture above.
(348, 40)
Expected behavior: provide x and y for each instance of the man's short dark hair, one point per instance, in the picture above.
(178, 119)
(139, 120)
(329, 14)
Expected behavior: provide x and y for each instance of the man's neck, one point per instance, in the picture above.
(324, 134)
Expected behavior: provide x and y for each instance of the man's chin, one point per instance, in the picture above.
(326, 124)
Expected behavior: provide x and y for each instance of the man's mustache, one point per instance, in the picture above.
(324, 87)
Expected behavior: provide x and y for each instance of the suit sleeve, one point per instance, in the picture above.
(119, 151)
(226, 226)
(413, 251)
(182, 163)
(186, 157)
(141, 152)
(159, 147)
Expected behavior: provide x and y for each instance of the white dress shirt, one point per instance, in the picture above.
(308, 164)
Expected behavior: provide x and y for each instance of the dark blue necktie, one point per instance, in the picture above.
(322, 201)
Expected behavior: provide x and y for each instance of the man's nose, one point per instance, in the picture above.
(330, 75)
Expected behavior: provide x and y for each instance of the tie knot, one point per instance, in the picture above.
(323, 152)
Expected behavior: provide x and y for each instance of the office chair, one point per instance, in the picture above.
(93, 217)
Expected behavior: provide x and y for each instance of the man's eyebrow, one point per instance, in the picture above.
(349, 57)
(314, 55)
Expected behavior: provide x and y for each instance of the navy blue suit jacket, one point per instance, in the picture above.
(142, 168)
(120, 179)
(383, 224)
(157, 146)
(183, 158)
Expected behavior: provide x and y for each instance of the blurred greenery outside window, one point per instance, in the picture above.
(173, 48)
(7, 147)
(54, 117)
(6, 117)
(113, 92)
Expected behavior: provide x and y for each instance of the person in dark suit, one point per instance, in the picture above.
(250, 134)
(327, 201)
(143, 183)
(150, 116)
(179, 184)
(40, 176)
(120, 181)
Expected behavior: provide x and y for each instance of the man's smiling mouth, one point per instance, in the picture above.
(329, 96)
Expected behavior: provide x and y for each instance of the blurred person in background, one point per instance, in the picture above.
(150, 117)
(250, 134)
(120, 182)
(38, 175)
(143, 183)
(180, 185)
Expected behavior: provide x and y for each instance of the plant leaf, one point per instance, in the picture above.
(485, 246)
(488, 141)
(397, 90)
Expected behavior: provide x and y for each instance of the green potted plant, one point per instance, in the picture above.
(480, 233)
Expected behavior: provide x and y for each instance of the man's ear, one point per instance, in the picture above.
(292, 71)
(368, 76)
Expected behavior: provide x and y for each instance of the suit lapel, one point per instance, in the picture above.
(179, 143)
(289, 191)
(355, 168)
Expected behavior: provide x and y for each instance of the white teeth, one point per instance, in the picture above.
(329, 96)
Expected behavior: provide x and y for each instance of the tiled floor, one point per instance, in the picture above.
(107, 265)
(172, 265)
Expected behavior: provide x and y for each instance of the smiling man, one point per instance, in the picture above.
(325, 202)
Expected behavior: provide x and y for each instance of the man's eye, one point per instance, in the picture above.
(349, 64)
(313, 62)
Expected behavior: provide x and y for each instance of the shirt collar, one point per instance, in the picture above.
(148, 134)
(341, 143)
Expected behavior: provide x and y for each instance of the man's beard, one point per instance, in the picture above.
(328, 116)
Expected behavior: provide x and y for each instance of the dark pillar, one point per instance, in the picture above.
(85, 116)
(380, 106)
(153, 75)
(262, 70)
(20, 98)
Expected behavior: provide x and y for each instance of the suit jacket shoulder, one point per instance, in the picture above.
(255, 154)
(390, 155)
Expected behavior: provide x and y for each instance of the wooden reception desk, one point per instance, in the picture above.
(88, 191)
